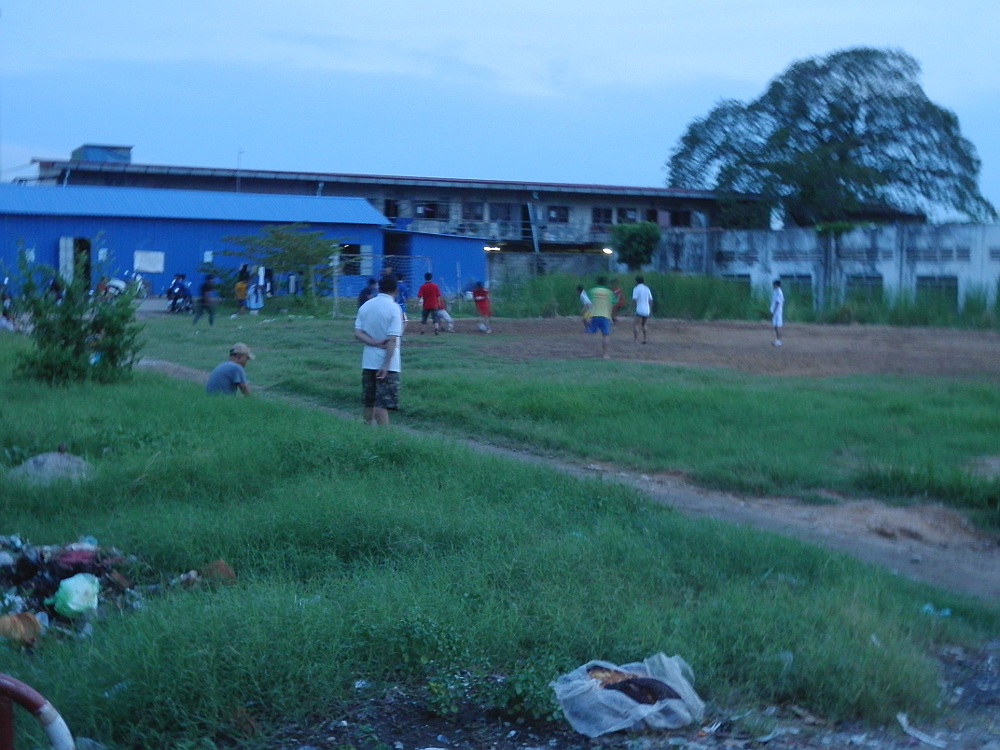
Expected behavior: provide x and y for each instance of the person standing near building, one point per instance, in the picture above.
(368, 291)
(231, 375)
(602, 300)
(428, 294)
(481, 296)
(777, 310)
(642, 299)
(206, 301)
(379, 327)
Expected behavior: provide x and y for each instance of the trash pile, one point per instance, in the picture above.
(60, 588)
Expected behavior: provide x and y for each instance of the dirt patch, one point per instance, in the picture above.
(808, 350)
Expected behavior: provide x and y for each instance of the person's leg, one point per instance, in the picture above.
(197, 314)
(211, 315)
(644, 318)
(604, 345)
(381, 416)
(368, 396)
(635, 329)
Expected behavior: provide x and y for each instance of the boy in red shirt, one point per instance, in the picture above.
(481, 296)
(429, 296)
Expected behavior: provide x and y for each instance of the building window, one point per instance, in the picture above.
(472, 211)
(680, 218)
(438, 210)
(600, 217)
(798, 288)
(559, 214)
(628, 215)
(391, 208)
(938, 292)
(502, 211)
(653, 215)
(864, 288)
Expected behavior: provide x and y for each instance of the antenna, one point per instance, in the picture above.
(239, 159)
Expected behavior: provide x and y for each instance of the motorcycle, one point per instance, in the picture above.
(179, 296)
(117, 286)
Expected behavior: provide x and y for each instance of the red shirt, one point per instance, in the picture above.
(429, 293)
(482, 300)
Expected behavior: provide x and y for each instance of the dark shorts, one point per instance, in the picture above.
(380, 394)
(600, 324)
(432, 314)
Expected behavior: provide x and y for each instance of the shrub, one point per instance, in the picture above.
(76, 335)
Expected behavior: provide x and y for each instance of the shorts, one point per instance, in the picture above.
(379, 394)
(776, 319)
(597, 323)
(432, 314)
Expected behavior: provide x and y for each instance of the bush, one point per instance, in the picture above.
(77, 335)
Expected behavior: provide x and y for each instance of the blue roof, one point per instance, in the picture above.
(154, 203)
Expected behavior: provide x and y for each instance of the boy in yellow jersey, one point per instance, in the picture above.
(602, 300)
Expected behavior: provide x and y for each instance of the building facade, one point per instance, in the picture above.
(514, 216)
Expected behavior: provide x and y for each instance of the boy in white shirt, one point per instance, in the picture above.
(642, 299)
(777, 306)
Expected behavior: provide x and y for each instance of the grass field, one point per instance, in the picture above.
(898, 436)
(410, 561)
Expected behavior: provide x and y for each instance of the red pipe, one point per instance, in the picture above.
(31, 701)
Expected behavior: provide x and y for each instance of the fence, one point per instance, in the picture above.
(352, 272)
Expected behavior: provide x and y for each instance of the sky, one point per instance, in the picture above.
(573, 91)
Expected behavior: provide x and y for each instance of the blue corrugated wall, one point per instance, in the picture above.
(456, 262)
(182, 241)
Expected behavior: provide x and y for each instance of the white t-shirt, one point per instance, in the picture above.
(380, 318)
(777, 300)
(584, 299)
(777, 303)
(643, 299)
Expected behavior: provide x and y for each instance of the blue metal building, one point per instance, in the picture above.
(162, 232)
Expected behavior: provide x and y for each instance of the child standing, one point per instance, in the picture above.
(481, 296)
(777, 306)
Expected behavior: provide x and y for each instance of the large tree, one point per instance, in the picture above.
(837, 137)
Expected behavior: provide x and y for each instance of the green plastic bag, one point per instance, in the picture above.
(76, 595)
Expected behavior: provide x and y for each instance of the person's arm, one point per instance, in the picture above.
(244, 388)
(364, 338)
(390, 349)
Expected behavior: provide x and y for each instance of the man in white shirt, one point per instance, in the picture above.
(777, 308)
(642, 298)
(379, 327)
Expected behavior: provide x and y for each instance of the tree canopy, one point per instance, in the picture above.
(834, 138)
(289, 247)
(635, 243)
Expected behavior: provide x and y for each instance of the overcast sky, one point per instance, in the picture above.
(548, 90)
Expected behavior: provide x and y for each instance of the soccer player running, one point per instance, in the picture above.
(428, 294)
(481, 296)
(642, 299)
(602, 300)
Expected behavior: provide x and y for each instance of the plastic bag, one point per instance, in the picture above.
(76, 595)
(593, 710)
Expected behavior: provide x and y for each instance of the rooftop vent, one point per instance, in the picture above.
(97, 152)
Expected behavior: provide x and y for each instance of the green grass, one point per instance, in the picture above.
(900, 437)
(406, 560)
